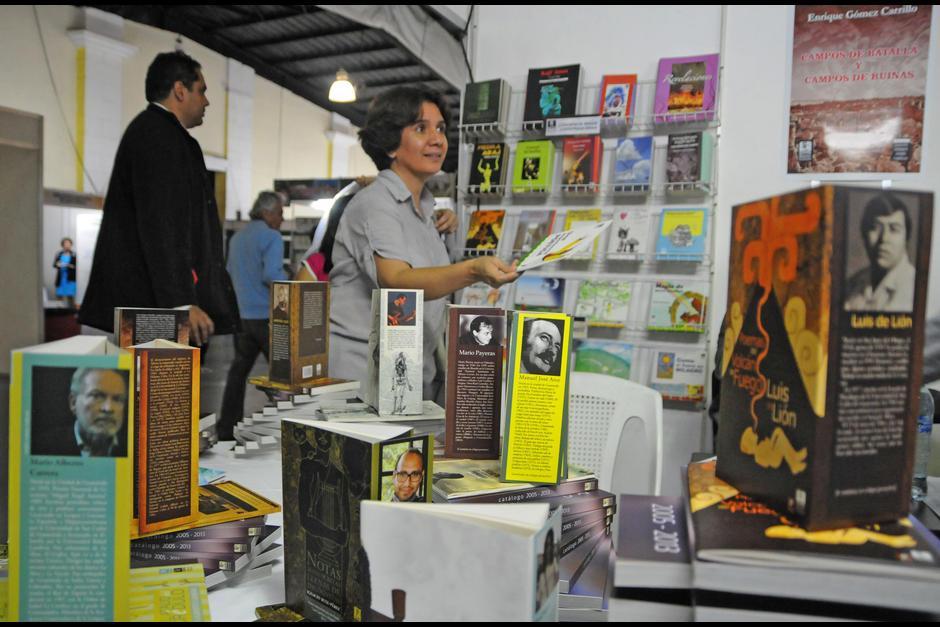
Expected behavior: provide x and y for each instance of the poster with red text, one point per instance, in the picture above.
(857, 88)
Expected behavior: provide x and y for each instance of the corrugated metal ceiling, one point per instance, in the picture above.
(300, 47)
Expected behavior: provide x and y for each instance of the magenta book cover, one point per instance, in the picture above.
(686, 89)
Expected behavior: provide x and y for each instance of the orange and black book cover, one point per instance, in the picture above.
(300, 332)
(823, 354)
(167, 455)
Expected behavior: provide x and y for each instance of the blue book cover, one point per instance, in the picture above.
(682, 232)
(633, 162)
(536, 293)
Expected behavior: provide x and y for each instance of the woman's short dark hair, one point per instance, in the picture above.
(391, 112)
(165, 70)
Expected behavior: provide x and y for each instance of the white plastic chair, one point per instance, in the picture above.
(615, 428)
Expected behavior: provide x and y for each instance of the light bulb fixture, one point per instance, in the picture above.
(342, 90)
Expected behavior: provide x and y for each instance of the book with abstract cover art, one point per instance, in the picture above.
(487, 168)
(512, 575)
(486, 227)
(485, 102)
(822, 356)
(686, 89)
(604, 357)
(689, 157)
(679, 374)
(534, 166)
(582, 161)
(536, 431)
(552, 92)
(537, 293)
(618, 93)
(678, 306)
(329, 469)
(629, 234)
(534, 226)
(682, 233)
(604, 303)
(482, 295)
(475, 342)
(70, 473)
(633, 161)
(396, 346)
(300, 332)
(579, 218)
(137, 325)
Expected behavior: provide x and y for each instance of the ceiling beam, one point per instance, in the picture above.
(384, 68)
(278, 41)
(264, 69)
(336, 58)
(260, 18)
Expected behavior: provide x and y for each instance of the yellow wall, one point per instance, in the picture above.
(26, 86)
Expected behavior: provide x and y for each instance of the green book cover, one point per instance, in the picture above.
(535, 161)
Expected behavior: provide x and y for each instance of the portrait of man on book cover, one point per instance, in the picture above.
(880, 249)
(478, 331)
(79, 412)
(403, 470)
(542, 340)
(401, 309)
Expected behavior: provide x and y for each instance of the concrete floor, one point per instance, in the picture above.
(215, 370)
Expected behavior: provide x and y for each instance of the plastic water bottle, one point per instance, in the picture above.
(922, 451)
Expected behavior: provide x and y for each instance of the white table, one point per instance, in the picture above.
(262, 474)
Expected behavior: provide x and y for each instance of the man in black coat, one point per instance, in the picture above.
(160, 243)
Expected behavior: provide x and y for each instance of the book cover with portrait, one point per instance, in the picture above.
(300, 332)
(535, 435)
(396, 349)
(70, 467)
(474, 381)
(822, 356)
(329, 470)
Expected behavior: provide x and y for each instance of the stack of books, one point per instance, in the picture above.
(751, 563)
(229, 539)
(653, 574)
(585, 548)
(262, 430)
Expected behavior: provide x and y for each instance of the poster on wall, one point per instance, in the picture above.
(858, 87)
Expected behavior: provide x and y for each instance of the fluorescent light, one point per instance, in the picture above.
(342, 90)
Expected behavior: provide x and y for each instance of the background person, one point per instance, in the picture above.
(254, 263)
(160, 243)
(65, 263)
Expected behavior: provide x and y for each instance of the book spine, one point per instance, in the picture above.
(208, 560)
(531, 494)
(195, 546)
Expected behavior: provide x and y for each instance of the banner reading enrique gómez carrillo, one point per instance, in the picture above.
(858, 81)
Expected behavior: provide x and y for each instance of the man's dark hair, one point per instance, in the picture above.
(885, 204)
(391, 112)
(478, 322)
(165, 70)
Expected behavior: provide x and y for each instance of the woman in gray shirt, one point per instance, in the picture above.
(389, 236)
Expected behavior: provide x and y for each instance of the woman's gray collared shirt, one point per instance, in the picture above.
(381, 219)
